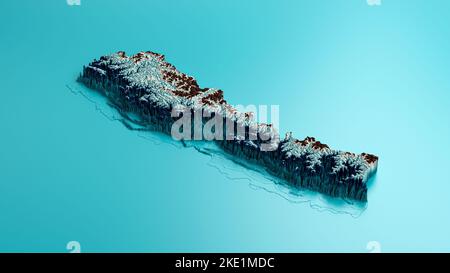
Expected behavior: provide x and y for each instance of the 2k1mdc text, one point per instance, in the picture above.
(226, 263)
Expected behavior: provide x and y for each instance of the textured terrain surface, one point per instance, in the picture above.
(146, 85)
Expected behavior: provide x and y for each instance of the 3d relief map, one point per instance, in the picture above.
(147, 85)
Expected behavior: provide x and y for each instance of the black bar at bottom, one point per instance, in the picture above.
(229, 262)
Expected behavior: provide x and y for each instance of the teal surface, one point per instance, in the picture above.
(357, 77)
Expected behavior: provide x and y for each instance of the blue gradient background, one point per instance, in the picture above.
(360, 78)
